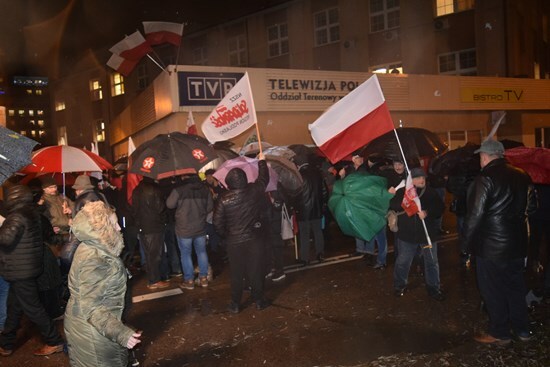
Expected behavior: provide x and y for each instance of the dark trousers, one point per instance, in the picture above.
(153, 248)
(23, 299)
(172, 251)
(502, 287)
(304, 229)
(274, 260)
(245, 260)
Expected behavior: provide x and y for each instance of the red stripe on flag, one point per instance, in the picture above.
(157, 38)
(376, 123)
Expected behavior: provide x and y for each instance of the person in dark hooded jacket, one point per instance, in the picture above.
(21, 263)
(238, 219)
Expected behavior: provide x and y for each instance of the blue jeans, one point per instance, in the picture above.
(4, 290)
(406, 252)
(186, 249)
(382, 242)
(361, 246)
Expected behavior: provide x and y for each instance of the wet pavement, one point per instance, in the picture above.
(336, 313)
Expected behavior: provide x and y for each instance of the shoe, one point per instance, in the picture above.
(270, 274)
(5, 352)
(356, 253)
(47, 350)
(203, 282)
(369, 259)
(277, 277)
(233, 308)
(302, 262)
(525, 336)
(262, 304)
(437, 295)
(379, 266)
(176, 274)
(187, 284)
(399, 292)
(158, 285)
(489, 339)
(321, 258)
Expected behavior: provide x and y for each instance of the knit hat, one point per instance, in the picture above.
(47, 181)
(83, 182)
(492, 147)
(417, 172)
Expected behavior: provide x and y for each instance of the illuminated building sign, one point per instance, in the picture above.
(203, 88)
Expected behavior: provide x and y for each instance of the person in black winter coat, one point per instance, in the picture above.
(150, 213)
(21, 263)
(238, 219)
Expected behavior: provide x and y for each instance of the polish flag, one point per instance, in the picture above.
(133, 47)
(411, 201)
(163, 32)
(233, 115)
(121, 65)
(191, 127)
(132, 180)
(353, 121)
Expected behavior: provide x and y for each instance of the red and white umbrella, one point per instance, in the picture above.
(64, 158)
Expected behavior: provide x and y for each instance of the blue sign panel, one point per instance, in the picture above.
(203, 88)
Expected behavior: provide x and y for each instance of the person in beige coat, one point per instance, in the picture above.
(96, 336)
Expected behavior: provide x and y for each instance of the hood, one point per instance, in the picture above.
(236, 179)
(95, 225)
(18, 196)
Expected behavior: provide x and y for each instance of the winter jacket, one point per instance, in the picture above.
(97, 282)
(149, 207)
(238, 211)
(21, 247)
(85, 197)
(311, 202)
(54, 212)
(193, 201)
(410, 229)
(499, 201)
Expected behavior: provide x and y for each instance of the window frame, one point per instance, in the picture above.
(240, 52)
(326, 28)
(384, 13)
(278, 41)
(389, 67)
(117, 87)
(470, 71)
(96, 90)
(202, 53)
(457, 6)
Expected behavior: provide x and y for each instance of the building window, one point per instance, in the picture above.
(38, 92)
(59, 106)
(41, 133)
(143, 77)
(384, 15)
(199, 56)
(29, 92)
(117, 82)
(458, 63)
(444, 7)
(33, 133)
(11, 112)
(394, 68)
(96, 90)
(237, 51)
(100, 128)
(31, 112)
(40, 112)
(459, 138)
(23, 132)
(32, 122)
(40, 123)
(326, 27)
(21, 112)
(277, 40)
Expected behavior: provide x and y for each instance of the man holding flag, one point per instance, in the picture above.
(420, 203)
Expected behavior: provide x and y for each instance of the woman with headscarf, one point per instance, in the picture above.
(95, 333)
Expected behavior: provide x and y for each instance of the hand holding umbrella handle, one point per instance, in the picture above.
(261, 156)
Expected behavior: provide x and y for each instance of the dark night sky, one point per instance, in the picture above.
(32, 33)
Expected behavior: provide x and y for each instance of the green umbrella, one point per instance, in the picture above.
(359, 204)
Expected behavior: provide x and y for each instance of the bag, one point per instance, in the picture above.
(392, 220)
(287, 229)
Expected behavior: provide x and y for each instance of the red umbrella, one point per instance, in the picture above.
(534, 161)
(64, 158)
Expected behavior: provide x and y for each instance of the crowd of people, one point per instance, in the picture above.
(70, 257)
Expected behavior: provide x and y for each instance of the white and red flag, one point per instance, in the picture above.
(163, 32)
(191, 127)
(411, 201)
(132, 47)
(233, 115)
(353, 121)
(121, 65)
(132, 179)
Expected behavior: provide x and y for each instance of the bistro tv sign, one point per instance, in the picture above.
(491, 95)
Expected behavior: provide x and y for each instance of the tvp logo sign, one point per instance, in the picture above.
(205, 89)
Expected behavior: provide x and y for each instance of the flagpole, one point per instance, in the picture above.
(178, 53)
(157, 64)
(409, 172)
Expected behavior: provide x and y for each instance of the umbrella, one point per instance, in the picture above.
(250, 167)
(462, 158)
(416, 143)
(15, 152)
(64, 158)
(280, 151)
(171, 154)
(251, 149)
(509, 143)
(304, 154)
(534, 161)
(359, 204)
(121, 164)
(288, 175)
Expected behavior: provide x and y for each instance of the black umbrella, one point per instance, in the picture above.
(461, 159)
(288, 175)
(121, 164)
(171, 154)
(416, 143)
(15, 152)
(304, 154)
(224, 154)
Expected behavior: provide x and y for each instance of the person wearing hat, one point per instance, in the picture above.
(411, 236)
(58, 207)
(495, 232)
